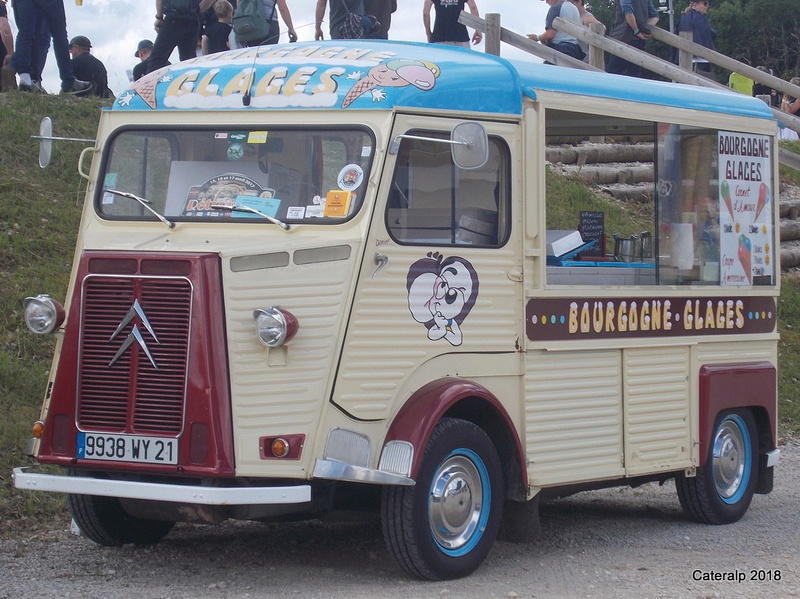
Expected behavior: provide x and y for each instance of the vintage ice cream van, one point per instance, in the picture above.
(325, 276)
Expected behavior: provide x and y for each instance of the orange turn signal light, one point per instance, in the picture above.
(38, 429)
(280, 447)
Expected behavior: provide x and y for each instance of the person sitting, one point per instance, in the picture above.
(558, 40)
(760, 89)
(790, 104)
(88, 68)
(143, 51)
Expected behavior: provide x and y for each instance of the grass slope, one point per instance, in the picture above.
(39, 215)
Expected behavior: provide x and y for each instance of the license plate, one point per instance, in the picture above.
(127, 448)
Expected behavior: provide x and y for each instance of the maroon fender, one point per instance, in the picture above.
(727, 386)
(417, 418)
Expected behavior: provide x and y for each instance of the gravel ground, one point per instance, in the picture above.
(621, 543)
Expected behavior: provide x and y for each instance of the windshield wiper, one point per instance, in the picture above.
(241, 208)
(145, 203)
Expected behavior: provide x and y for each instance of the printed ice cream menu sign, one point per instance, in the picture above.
(745, 210)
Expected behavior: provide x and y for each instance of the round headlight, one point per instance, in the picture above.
(274, 326)
(43, 314)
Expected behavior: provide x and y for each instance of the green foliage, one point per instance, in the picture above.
(39, 215)
(568, 196)
(789, 356)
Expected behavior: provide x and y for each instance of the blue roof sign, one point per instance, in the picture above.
(382, 75)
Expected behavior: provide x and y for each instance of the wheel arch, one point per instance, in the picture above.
(460, 398)
(750, 385)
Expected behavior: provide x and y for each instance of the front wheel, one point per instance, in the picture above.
(723, 488)
(104, 521)
(444, 526)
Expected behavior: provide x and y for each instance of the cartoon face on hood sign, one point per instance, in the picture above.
(441, 292)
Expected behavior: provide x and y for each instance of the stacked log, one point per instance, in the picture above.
(625, 171)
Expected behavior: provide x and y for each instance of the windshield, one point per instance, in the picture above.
(292, 175)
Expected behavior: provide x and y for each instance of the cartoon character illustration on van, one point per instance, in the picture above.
(441, 293)
(397, 72)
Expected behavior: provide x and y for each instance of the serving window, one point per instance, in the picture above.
(703, 216)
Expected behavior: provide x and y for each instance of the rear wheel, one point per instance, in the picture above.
(102, 520)
(723, 488)
(444, 526)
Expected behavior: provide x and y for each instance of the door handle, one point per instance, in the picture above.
(380, 261)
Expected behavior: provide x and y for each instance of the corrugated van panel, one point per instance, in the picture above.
(385, 346)
(283, 390)
(573, 416)
(657, 409)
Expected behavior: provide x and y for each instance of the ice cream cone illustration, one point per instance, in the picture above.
(395, 73)
(726, 195)
(763, 199)
(744, 253)
(146, 87)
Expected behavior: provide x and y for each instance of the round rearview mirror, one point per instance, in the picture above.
(470, 147)
(45, 143)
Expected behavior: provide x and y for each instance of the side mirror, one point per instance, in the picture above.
(469, 144)
(46, 139)
(470, 147)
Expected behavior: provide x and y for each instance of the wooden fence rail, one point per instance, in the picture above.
(495, 34)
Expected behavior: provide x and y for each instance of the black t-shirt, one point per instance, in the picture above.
(140, 70)
(88, 68)
(446, 27)
(217, 34)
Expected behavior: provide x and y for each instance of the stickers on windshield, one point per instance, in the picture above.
(237, 136)
(257, 137)
(337, 203)
(350, 177)
(220, 190)
(235, 151)
(265, 205)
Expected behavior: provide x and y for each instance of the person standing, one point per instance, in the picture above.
(89, 68)
(271, 9)
(215, 38)
(694, 19)
(632, 22)
(178, 26)
(339, 11)
(37, 18)
(8, 78)
(446, 28)
(382, 9)
(555, 39)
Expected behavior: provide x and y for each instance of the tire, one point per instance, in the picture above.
(445, 525)
(102, 520)
(723, 488)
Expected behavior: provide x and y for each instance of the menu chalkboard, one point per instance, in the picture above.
(592, 226)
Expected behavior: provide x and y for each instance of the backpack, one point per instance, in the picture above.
(181, 10)
(250, 24)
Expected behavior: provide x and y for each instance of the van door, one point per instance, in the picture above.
(439, 292)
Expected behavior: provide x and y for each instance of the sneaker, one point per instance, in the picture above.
(36, 86)
(25, 87)
(78, 88)
(8, 78)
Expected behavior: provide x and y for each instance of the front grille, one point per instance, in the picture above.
(122, 391)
